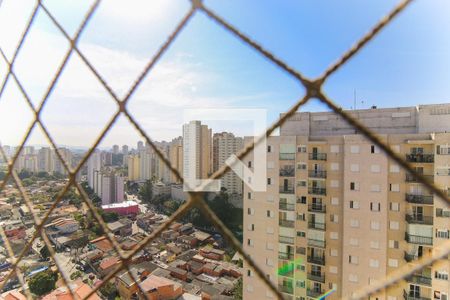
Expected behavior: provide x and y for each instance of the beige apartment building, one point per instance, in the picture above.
(338, 214)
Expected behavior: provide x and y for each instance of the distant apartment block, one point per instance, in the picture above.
(197, 150)
(339, 214)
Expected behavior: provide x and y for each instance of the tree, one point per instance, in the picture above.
(43, 282)
(27, 181)
(146, 191)
(109, 290)
(237, 291)
(24, 174)
(75, 275)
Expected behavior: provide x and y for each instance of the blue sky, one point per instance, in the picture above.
(207, 67)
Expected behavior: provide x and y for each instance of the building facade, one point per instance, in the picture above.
(338, 214)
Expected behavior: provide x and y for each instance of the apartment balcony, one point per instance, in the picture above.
(419, 219)
(419, 279)
(411, 296)
(316, 243)
(420, 158)
(317, 156)
(316, 225)
(287, 171)
(412, 178)
(410, 257)
(286, 289)
(419, 199)
(286, 223)
(318, 260)
(287, 156)
(317, 174)
(285, 255)
(317, 191)
(286, 206)
(286, 240)
(417, 239)
(317, 208)
(314, 293)
(316, 277)
(286, 189)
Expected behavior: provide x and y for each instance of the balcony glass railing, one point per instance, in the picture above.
(314, 293)
(417, 239)
(317, 191)
(411, 295)
(286, 223)
(287, 156)
(410, 256)
(316, 243)
(419, 199)
(317, 156)
(419, 279)
(420, 158)
(419, 219)
(316, 225)
(319, 208)
(286, 206)
(286, 189)
(318, 260)
(317, 174)
(286, 255)
(286, 239)
(316, 277)
(286, 289)
(412, 178)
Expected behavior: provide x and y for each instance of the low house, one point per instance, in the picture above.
(145, 220)
(187, 241)
(201, 236)
(122, 227)
(63, 226)
(107, 265)
(186, 229)
(178, 273)
(156, 288)
(211, 253)
(12, 295)
(169, 235)
(15, 231)
(79, 289)
(126, 283)
(101, 243)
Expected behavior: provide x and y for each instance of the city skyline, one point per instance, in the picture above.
(195, 73)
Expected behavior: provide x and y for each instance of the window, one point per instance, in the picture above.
(334, 201)
(269, 262)
(301, 183)
(270, 198)
(394, 206)
(354, 242)
(394, 187)
(393, 262)
(250, 211)
(334, 166)
(375, 206)
(353, 278)
(374, 149)
(269, 148)
(441, 275)
(301, 234)
(354, 186)
(443, 149)
(250, 242)
(249, 288)
(300, 283)
(394, 225)
(333, 252)
(270, 230)
(334, 148)
(333, 269)
(441, 233)
(251, 227)
(301, 166)
(354, 167)
(270, 214)
(375, 225)
(334, 218)
(393, 244)
(375, 188)
(354, 149)
(374, 263)
(301, 250)
(270, 165)
(249, 195)
(269, 246)
(374, 245)
(334, 235)
(249, 163)
(375, 168)
(394, 169)
(301, 217)
(249, 273)
(269, 181)
(302, 200)
(354, 204)
(334, 183)
(354, 223)
(301, 149)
